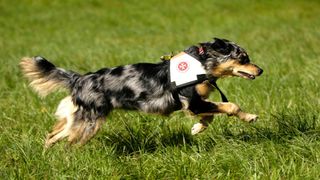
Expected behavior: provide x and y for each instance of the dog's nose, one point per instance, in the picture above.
(260, 71)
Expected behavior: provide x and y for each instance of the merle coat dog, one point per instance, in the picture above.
(143, 86)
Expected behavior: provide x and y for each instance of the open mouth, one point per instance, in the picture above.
(246, 75)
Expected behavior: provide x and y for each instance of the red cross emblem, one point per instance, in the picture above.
(183, 66)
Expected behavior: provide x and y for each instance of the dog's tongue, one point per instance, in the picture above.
(250, 76)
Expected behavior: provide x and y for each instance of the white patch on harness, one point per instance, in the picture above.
(184, 69)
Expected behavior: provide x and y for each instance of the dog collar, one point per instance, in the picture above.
(201, 50)
(186, 70)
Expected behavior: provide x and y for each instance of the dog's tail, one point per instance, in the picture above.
(45, 77)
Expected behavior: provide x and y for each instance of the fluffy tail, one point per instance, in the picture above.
(44, 76)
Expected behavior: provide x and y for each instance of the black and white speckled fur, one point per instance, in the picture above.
(143, 86)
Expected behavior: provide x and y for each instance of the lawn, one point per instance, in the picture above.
(282, 37)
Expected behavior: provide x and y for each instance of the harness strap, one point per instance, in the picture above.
(223, 97)
(211, 81)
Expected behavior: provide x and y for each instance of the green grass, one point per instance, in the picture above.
(282, 37)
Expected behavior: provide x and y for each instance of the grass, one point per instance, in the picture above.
(281, 36)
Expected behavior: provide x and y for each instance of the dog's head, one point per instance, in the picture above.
(224, 58)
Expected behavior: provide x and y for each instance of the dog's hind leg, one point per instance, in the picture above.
(58, 127)
(60, 131)
(87, 122)
(76, 123)
(82, 131)
(65, 115)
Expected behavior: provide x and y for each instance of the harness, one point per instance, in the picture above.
(223, 97)
(186, 70)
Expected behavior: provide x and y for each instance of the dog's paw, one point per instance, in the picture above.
(198, 128)
(251, 117)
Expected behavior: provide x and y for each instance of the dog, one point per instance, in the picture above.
(145, 87)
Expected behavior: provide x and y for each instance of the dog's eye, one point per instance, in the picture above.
(244, 60)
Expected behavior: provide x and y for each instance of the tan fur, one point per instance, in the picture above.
(229, 108)
(41, 84)
(224, 69)
(204, 89)
(232, 110)
(77, 132)
(230, 68)
(57, 133)
(83, 131)
(248, 68)
(58, 127)
(65, 116)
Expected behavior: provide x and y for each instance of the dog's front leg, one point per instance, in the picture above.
(207, 109)
(202, 125)
(232, 109)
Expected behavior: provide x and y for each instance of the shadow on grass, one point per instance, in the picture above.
(125, 143)
(286, 127)
(146, 138)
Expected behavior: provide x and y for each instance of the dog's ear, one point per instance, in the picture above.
(221, 46)
(219, 43)
(205, 44)
(219, 39)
